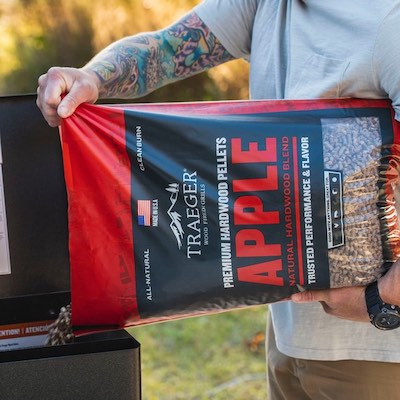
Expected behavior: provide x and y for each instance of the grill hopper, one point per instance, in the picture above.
(35, 218)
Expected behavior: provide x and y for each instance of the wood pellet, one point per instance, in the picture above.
(353, 146)
(60, 331)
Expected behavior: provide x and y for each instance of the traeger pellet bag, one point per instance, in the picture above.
(184, 209)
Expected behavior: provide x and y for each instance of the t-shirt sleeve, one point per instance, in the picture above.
(231, 21)
(386, 61)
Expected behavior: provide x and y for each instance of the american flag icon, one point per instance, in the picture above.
(144, 212)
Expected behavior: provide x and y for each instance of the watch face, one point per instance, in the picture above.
(387, 319)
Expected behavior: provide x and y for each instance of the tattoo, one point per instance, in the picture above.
(137, 65)
(199, 49)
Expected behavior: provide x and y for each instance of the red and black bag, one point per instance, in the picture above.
(182, 209)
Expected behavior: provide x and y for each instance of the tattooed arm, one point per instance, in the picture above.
(132, 67)
(140, 64)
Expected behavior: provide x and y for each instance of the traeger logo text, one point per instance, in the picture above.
(192, 213)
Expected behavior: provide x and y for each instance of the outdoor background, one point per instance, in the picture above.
(214, 357)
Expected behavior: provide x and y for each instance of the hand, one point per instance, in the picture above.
(346, 303)
(79, 85)
(349, 303)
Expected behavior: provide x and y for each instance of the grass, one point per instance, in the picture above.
(214, 357)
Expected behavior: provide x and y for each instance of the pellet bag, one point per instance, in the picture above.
(182, 209)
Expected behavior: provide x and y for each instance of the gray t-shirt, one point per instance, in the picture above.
(316, 49)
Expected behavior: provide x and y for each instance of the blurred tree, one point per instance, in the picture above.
(37, 34)
(41, 33)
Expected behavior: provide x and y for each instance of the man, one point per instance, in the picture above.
(297, 49)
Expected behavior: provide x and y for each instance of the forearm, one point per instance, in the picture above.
(137, 65)
(389, 285)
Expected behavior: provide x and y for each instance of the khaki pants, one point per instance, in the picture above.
(296, 379)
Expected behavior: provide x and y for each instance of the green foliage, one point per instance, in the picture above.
(41, 34)
(211, 357)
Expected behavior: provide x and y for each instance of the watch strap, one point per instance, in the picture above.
(378, 309)
(373, 300)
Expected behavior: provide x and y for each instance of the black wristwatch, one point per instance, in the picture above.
(382, 316)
